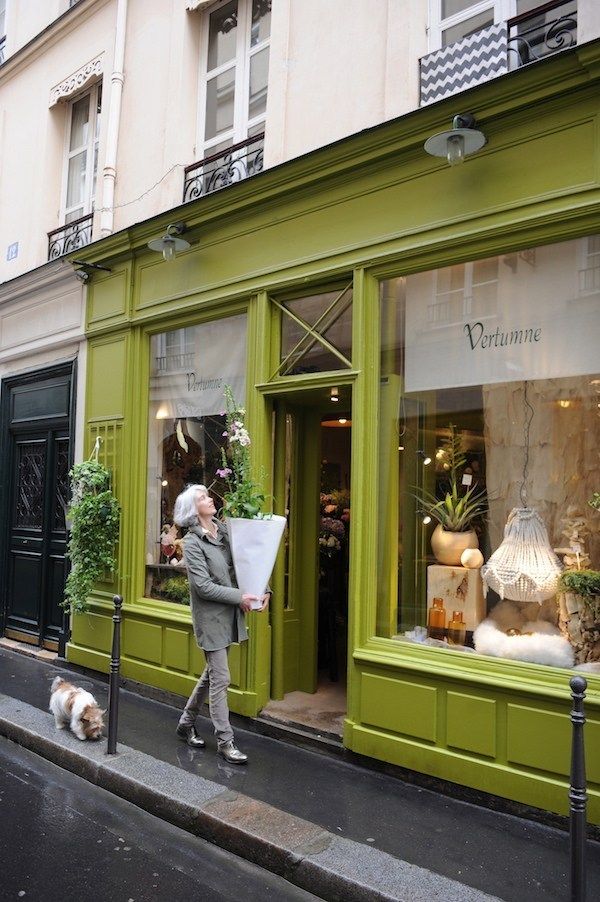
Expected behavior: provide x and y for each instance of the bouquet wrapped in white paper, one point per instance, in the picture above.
(254, 536)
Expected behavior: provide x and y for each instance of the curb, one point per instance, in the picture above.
(329, 866)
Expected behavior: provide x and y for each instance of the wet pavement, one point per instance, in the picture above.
(505, 856)
(69, 841)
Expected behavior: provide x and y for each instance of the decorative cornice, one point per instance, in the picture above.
(89, 72)
(193, 5)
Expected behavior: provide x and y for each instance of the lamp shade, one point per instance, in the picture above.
(447, 144)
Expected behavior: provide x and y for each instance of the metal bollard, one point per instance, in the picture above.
(577, 793)
(113, 680)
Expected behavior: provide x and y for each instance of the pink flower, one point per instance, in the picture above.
(224, 472)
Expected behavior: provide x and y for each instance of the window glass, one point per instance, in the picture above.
(220, 93)
(222, 35)
(260, 28)
(451, 7)
(189, 369)
(489, 389)
(330, 316)
(468, 27)
(76, 180)
(259, 76)
(79, 123)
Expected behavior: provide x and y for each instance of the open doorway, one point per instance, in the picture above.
(310, 650)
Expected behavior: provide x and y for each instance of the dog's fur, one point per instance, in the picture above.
(76, 708)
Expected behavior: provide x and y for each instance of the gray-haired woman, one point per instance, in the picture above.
(218, 608)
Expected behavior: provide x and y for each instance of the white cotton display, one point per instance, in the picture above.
(524, 566)
(254, 547)
(545, 645)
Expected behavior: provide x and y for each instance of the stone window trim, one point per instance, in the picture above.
(82, 78)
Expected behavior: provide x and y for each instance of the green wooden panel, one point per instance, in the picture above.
(143, 641)
(471, 723)
(106, 378)
(235, 665)
(408, 708)
(539, 739)
(197, 661)
(108, 298)
(177, 649)
(93, 631)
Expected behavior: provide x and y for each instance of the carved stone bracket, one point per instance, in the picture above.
(78, 80)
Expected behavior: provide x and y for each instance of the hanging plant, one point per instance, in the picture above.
(94, 513)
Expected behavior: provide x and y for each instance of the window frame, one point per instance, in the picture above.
(503, 10)
(92, 146)
(243, 125)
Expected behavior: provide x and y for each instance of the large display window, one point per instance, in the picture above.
(489, 455)
(189, 369)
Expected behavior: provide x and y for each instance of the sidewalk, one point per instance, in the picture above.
(336, 829)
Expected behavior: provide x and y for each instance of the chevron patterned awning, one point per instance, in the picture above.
(464, 64)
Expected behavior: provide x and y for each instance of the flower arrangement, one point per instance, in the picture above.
(455, 512)
(332, 533)
(243, 498)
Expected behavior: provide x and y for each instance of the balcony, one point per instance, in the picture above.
(498, 49)
(70, 237)
(233, 164)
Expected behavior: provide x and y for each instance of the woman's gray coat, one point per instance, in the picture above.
(215, 599)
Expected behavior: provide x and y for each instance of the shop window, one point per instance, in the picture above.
(316, 332)
(490, 386)
(189, 369)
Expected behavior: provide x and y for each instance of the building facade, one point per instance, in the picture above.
(370, 304)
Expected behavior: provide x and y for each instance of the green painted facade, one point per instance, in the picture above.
(370, 207)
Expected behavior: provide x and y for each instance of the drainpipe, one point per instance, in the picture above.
(109, 173)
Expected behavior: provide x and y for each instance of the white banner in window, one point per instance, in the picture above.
(534, 336)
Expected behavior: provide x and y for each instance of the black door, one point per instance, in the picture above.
(38, 456)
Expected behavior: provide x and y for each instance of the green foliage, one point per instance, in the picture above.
(456, 512)
(176, 588)
(595, 501)
(94, 513)
(581, 582)
(243, 498)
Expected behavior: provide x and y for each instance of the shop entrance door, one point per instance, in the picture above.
(310, 601)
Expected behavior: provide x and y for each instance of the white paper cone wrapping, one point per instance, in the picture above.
(254, 547)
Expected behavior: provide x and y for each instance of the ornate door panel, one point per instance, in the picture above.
(37, 455)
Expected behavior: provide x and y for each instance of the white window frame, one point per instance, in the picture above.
(503, 10)
(243, 126)
(91, 146)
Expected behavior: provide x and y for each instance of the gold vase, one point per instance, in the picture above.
(448, 546)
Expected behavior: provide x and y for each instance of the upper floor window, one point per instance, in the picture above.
(81, 158)
(453, 20)
(235, 69)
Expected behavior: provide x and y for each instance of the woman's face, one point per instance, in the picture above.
(205, 505)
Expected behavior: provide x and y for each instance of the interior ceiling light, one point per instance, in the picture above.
(334, 394)
(459, 142)
(425, 457)
(170, 242)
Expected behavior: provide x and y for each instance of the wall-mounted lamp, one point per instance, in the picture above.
(334, 395)
(82, 274)
(459, 142)
(170, 242)
(425, 457)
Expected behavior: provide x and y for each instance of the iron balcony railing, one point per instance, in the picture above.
(70, 237)
(2, 49)
(233, 164)
(169, 362)
(498, 49)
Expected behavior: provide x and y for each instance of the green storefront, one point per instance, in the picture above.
(421, 297)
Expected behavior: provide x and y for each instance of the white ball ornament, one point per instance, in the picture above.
(471, 558)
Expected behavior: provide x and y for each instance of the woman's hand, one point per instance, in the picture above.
(264, 601)
(246, 603)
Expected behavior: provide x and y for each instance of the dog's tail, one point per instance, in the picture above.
(56, 683)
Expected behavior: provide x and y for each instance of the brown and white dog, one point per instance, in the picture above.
(76, 708)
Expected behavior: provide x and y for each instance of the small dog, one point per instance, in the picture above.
(76, 708)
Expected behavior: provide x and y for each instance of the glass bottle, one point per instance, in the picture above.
(436, 619)
(457, 629)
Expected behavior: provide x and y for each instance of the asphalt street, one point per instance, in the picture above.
(65, 840)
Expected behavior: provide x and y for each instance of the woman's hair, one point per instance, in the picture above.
(184, 512)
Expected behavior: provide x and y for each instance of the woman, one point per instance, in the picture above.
(218, 608)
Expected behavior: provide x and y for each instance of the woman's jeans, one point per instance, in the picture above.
(213, 683)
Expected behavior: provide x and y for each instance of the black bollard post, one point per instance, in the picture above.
(577, 792)
(113, 680)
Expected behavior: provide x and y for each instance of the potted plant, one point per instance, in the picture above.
(254, 535)
(579, 618)
(456, 512)
(94, 530)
